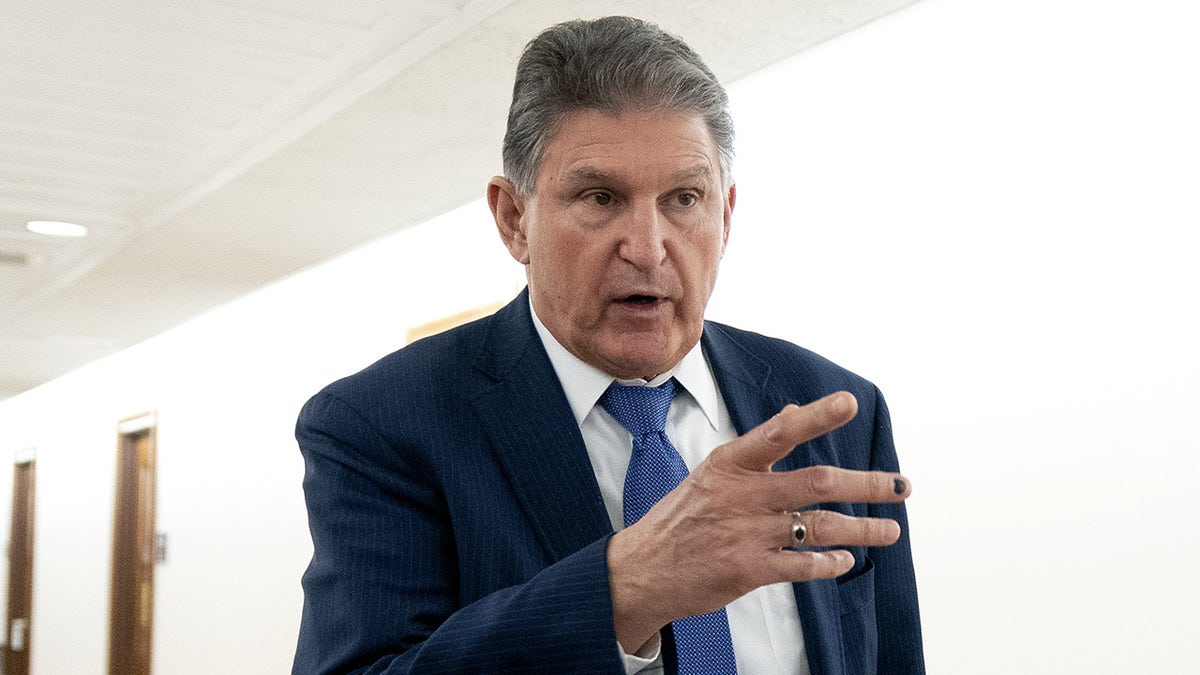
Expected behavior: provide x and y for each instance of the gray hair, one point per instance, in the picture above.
(609, 64)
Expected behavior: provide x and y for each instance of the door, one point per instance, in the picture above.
(131, 607)
(20, 569)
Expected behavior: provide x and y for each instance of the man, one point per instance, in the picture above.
(463, 493)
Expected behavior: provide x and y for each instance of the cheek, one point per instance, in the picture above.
(564, 268)
(553, 242)
(702, 265)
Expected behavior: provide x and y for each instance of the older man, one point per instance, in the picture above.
(464, 492)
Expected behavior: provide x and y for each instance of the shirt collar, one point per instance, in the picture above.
(584, 383)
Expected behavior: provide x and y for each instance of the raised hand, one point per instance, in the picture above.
(729, 526)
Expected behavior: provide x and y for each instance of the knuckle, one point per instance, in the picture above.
(822, 480)
(771, 432)
(822, 525)
(806, 566)
(869, 530)
(775, 431)
(713, 463)
(720, 464)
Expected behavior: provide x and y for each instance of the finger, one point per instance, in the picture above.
(762, 446)
(830, 484)
(792, 566)
(830, 528)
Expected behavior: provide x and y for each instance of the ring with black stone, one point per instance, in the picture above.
(799, 530)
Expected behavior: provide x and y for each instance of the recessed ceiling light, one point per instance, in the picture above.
(55, 228)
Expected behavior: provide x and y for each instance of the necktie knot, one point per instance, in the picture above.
(641, 410)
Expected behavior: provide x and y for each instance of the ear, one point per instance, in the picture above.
(508, 209)
(730, 200)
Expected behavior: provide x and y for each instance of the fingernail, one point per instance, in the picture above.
(898, 486)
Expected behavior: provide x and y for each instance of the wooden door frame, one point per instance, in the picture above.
(18, 624)
(131, 589)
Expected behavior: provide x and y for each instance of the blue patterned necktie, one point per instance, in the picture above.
(702, 643)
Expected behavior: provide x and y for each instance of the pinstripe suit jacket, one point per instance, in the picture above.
(457, 526)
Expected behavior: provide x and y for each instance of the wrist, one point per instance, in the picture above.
(632, 589)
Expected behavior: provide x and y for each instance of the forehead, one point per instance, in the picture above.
(634, 145)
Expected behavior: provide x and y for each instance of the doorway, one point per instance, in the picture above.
(131, 604)
(20, 566)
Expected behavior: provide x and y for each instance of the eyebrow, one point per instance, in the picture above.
(587, 174)
(697, 172)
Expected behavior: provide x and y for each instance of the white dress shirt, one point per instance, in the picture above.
(764, 623)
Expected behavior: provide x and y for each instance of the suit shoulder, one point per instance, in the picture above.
(422, 368)
(787, 360)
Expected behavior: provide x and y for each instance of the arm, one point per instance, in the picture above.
(898, 619)
(381, 593)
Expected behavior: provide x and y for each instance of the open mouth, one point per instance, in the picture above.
(640, 299)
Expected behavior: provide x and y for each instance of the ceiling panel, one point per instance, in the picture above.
(213, 146)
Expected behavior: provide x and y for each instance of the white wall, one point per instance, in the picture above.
(226, 388)
(990, 209)
(980, 206)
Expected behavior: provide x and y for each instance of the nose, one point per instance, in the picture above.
(644, 234)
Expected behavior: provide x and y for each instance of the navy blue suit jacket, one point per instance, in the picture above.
(458, 528)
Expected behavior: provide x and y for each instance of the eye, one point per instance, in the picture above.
(687, 199)
(600, 198)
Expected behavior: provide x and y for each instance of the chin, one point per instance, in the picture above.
(629, 365)
(640, 354)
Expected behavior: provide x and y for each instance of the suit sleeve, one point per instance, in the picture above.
(381, 592)
(896, 610)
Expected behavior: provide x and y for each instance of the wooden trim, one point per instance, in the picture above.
(446, 323)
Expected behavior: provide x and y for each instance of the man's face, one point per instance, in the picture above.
(622, 237)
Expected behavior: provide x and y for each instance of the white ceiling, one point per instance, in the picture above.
(213, 146)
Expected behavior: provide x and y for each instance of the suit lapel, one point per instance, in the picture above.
(529, 424)
(741, 378)
(752, 398)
